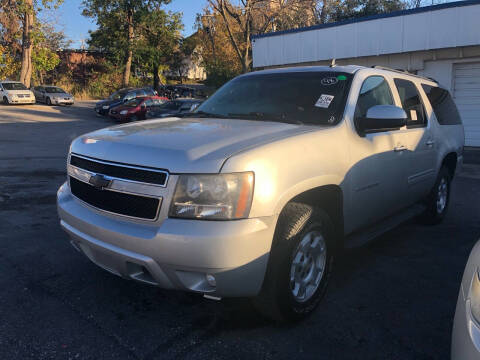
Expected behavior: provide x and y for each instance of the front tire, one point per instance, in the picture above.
(133, 118)
(438, 199)
(5, 101)
(49, 102)
(300, 264)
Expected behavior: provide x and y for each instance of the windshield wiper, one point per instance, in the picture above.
(202, 114)
(254, 115)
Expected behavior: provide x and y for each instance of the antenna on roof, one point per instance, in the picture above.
(332, 63)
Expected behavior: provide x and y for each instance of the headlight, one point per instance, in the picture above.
(475, 296)
(124, 112)
(105, 107)
(215, 197)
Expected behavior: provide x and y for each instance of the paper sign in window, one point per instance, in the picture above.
(324, 101)
(413, 115)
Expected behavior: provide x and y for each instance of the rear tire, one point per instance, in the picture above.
(300, 264)
(438, 199)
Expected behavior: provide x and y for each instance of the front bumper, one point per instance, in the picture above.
(30, 100)
(101, 111)
(172, 253)
(118, 117)
(63, 102)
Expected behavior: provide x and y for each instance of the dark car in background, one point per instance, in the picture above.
(120, 97)
(197, 91)
(136, 109)
(173, 108)
(52, 95)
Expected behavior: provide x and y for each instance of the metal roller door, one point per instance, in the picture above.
(466, 92)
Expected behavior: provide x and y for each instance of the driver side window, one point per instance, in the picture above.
(375, 91)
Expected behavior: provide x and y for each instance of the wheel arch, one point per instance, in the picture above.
(450, 161)
(327, 197)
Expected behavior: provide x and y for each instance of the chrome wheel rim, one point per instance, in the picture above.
(308, 266)
(442, 195)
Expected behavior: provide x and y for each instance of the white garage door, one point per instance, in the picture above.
(466, 91)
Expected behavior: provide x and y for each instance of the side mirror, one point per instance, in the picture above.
(382, 118)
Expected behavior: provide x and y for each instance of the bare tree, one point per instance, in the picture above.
(27, 43)
(252, 17)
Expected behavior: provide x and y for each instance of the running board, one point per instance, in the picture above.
(362, 237)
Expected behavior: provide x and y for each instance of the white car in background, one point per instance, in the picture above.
(14, 92)
(52, 95)
(466, 326)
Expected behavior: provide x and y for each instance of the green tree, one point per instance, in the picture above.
(159, 40)
(46, 42)
(119, 23)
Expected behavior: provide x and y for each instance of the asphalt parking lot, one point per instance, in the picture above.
(392, 299)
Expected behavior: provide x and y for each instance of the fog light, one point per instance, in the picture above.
(211, 280)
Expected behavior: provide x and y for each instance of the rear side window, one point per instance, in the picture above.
(411, 103)
(443, 105)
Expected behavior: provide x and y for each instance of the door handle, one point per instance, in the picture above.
(430, 142)
(399, 148)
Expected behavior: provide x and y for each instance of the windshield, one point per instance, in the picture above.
(53, 90)
(118, 95)
(298, 97)
(14, 86)
(134, 102)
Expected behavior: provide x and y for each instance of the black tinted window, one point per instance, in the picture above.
(443, 105)
(306, 97)
(375, 91)
(411, 103)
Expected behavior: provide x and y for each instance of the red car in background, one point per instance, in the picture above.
(135, 109)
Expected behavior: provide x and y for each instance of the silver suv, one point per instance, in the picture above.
(255, 192)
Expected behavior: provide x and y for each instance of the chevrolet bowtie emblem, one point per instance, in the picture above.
(99, 181)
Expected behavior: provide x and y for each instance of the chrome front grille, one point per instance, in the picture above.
(120, 171)
(116, 188)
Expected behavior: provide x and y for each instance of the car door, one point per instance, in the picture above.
(377, 174)
(418, 140)
(41, 94)
(37, 93)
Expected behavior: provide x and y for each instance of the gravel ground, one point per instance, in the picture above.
(392, 299)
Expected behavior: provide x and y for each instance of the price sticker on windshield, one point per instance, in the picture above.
(324, 101)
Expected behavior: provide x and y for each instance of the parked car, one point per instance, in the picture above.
(466, 325)
(253, 194)
(173, 108)
(135, 109)
(14, 92)
(53, 95)
(122, 96)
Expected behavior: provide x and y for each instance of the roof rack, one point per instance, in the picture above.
(405, 72)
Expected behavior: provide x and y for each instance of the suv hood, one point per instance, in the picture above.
(181, 145)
